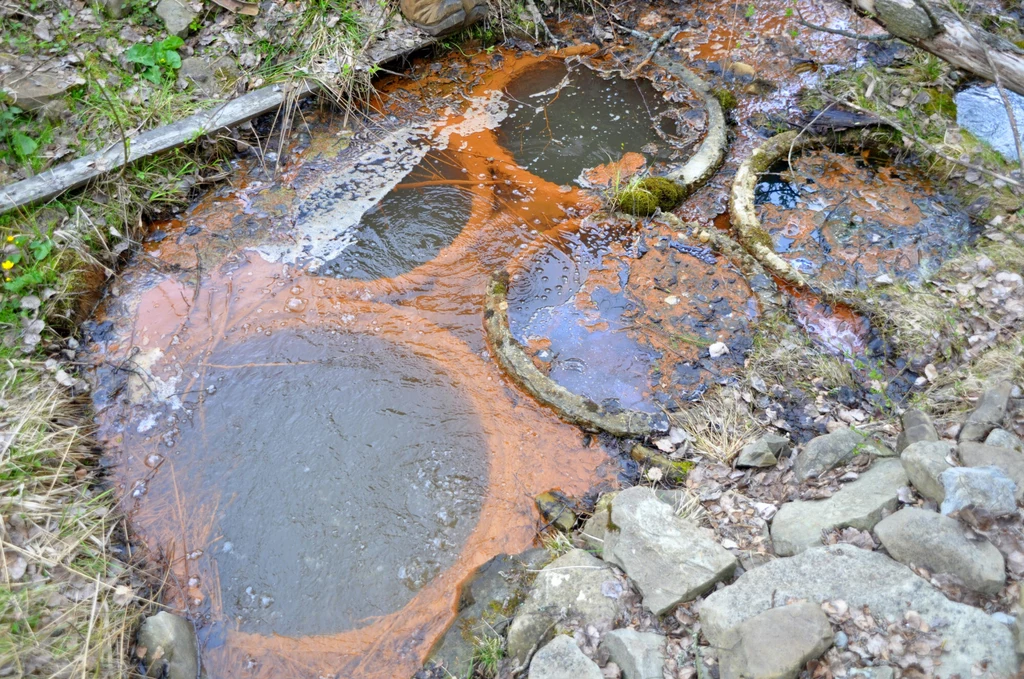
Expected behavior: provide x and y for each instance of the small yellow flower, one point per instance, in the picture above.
(10, 239)
(7, 265)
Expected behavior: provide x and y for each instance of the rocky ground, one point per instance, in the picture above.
(855, 555)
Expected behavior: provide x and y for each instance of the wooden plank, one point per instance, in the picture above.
(76, 173)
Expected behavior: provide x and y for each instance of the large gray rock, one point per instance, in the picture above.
(177, 16)
(33, 89)
(917, 427)
(1010, 461)
(1000, 438)
(561, 658)
(764, 452)
(640, 655)
(938, 543)
(798, 525)
(831, 450)
(775, 644)
(988, 413)
(168, 647)
(669, 558)
(984, 489)
(863, 578)
(924, 461)
(486, 600)
(575, 588)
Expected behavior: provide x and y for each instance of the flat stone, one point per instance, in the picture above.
(1000, 438)
(917, 427)
(984, 489)
(988, 413)
(33, 90)
(167, 643)
(764, 452)
(924, 462)
(595, 529)
(486, 600)
(938, 543)
(1010, 461)
(831, 450)
(576, 588)
(561, 658)
(640, 655)
(776, 644)
(555, 508)
(670, 559)
(177, 16)
(864, 578)
(798, 525)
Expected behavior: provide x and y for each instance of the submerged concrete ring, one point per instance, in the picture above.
(569, 405)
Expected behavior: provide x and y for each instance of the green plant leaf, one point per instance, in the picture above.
(171, 43)
(152, 74)
(141, 54)
(24, 145)
(41, 249)
(173, 59)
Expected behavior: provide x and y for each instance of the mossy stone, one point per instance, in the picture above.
(639, 202)
(668, 193)
(761, 237)
(726, 99)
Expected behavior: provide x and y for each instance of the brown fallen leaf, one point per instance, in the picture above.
(247, 8)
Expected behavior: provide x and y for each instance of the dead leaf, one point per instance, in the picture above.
(247, 8)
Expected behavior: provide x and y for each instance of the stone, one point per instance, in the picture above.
(33, 90)
(864, 578)
(555, 508)
(798, 525)
(595, 528)
(670, 559)
(115, 9)
(988, 413)
(775, 644)
(1000, 438)
(920, 537)
(574, 588)
(640, 655)
(718, 349)
(983, 489)
(1017, 611)
(1010, 461)
(924, 462)
(831, 450)
(167, 644)
(917, 427)
(561, 658)
(199, 74)
(486, 600)
(883, 672)
(177, 16)
(764, 452)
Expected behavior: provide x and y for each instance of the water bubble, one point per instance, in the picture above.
(296, 305)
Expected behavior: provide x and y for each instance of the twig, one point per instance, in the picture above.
(883, 37)
(636, 33)
(667, 37)
(538, 19)
(928, 147)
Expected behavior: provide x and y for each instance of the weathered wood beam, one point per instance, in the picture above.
(225, 115)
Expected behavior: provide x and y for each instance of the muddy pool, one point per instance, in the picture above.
(302, 415)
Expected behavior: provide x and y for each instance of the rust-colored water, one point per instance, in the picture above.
(172, 319)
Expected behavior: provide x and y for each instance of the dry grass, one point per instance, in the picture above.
(719, 425)
(953, 394)
(67, 606)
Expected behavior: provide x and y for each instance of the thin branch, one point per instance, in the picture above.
(928, 147)
(538, 19)
(846, 34)
(658, 44)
